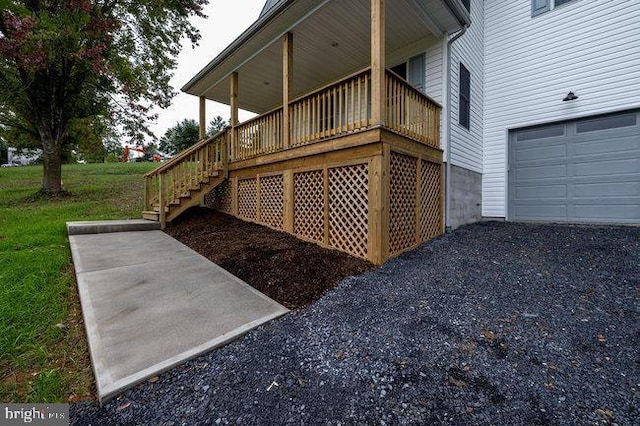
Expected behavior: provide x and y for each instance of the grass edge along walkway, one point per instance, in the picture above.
(43, 353)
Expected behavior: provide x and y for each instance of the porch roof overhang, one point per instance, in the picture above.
(331, 40)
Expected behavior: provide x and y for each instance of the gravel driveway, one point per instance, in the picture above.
(494, 324)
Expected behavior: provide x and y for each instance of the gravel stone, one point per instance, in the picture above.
(495, 323)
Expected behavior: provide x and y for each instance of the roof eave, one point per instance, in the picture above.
(460, 12)
(243, 38)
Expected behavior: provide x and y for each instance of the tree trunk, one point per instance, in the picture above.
(52, 163)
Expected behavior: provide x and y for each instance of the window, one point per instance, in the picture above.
(541, 6)
(541, 132)
(416, 72)
(401, 70)
(467, 5)
(464, 105)
(413, 71)
(604, 123)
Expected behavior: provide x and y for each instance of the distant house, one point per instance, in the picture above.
(402, 118)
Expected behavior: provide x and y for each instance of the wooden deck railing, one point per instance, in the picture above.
(412, 113)
(336, 109)
(258, 136)
(185, 172)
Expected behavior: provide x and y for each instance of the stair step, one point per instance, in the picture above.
(184, 200)
(151, 215)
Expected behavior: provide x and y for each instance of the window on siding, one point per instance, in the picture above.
(467, 5)
(464, 105)
(604, 123)
(416, 72)
(541, 6)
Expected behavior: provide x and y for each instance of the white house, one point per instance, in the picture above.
(546, 156)
(381, 123)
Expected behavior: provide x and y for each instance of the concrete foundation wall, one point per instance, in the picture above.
(465, 197)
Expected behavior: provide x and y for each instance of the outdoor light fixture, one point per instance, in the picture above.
(570, 97)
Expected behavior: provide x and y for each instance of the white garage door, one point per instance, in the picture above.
(580, 171)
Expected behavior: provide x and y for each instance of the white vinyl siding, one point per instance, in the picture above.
(589, 47)
(466, 144)
(433, 72)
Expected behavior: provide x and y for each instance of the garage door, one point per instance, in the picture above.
(580, 171)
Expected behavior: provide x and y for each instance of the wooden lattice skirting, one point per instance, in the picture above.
(372, 207)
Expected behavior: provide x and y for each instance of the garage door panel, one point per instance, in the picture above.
(607, 168)
(624, 145)
(589, 172)
(607, 190)
(607, 213)
(541, 191)
(541, 211)
(541, 153)
(542, 172)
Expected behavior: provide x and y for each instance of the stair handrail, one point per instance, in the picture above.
(155, 180)
(193, 148)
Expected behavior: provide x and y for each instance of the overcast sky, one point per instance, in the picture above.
(227, 19)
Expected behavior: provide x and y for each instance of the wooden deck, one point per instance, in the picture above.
(321, 170)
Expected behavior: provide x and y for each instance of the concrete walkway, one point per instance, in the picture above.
(150, 303)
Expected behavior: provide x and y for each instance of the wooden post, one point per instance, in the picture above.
(233, 101)
(287, 75)
(234, 196)
(419, 207)
(378, 250)
(258, 217)
(327, 203)
(441, 211)
(203, 117)
(289, 201)
(161, 202)
(378, 87)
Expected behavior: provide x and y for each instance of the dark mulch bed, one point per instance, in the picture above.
(295, 273)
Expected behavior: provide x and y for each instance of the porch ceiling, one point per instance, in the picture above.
(330, 40)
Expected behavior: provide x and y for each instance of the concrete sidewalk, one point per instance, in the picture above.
(150, 303)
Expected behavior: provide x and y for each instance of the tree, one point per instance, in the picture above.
(186, 133)
(69, 60)
(180, 137)
(216, 126)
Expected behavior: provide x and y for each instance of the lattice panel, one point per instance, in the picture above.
(309, 205)
(220, 198)
(248, 198)
(348, 208)
(431, 196)
(272, 201)
(402, 226)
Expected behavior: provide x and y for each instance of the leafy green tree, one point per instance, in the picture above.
(186, 133)
(112, 147)
(180, 137)
(69, 60)
(216, 125)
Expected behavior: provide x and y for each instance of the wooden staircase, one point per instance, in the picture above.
(183, 181)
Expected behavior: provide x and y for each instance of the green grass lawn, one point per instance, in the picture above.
(43, 355)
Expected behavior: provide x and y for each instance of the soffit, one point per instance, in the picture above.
(332, 41)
